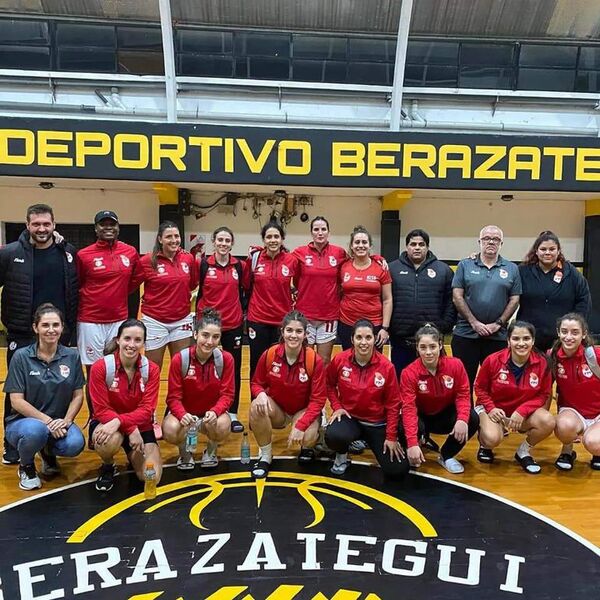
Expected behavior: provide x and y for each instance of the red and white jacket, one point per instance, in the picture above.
(291, 387)
(368, 393)
(318, 281)
(132, 403)
(105, 273)
(167, 289)
(496, 387)
(271, 287)
(577, 386)
(424, 393)
(200, 389)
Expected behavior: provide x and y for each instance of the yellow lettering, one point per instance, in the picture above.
(171, 147)
(256, 165)
(47, 145)
(483, 171)
(378, 164)
(286, 146)
(462, 162)
(423, 163)
(143, 151)
(90, 143)
(228, 167)
(347, 159)
(205, 143)
(587, 165)
(28, 138)
(533, 163)
(559, 156)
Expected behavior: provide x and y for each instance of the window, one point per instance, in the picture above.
(262, 44)
(544, 56)
(431, 75)
(262, 68)
(431, 64)
(204, 42)
(86, 47)
(487, 65)
(86, 36)
(553, 80)
(206, 65)
(320, 47)
(140, 50)
(331, 71)
(372, 49)
(588, 75)
(24, 44)
(370, 73)
(23, 57)
(27, 33)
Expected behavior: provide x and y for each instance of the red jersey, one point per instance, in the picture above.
(496, 386)
(318, 281)
(221, 290)
(291, 386)
(577, 385)
(368, 393)
(132, 403)
(361, 292)
(105, 274)
(271, 287)
(424, 393)
(167, 289)
(200, 389)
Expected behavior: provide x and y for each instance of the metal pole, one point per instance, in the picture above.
(166, 25)
(401, 48)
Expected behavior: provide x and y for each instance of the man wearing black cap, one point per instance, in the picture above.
(105, 271)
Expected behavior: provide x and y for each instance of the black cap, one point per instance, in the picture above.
(106, 214)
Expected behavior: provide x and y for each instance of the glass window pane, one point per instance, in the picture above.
(431, 75)
(22, 57)
(432, 53)
(206, 65)
(589, 58)
(23, 32)
(267, 68)
(326, 71)
(491, 55)
(95, 60)
(554, 80)
(140, 63)
(71, 34)
(486, 77)
(371, 49)
(369, 73)
(141, 38)
(538, 55)
(588, 81)
(205, 42)
(262, 44)
(319, 46)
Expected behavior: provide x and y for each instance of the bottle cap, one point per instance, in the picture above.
(149, 465)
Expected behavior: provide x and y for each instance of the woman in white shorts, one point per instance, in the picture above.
(575, 368)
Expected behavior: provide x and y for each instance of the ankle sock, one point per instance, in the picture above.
(524, 449)
(266, 453)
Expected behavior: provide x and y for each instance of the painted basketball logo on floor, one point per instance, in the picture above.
(297, 535)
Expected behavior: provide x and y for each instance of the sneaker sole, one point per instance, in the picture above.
(104, 489)
(29, 489)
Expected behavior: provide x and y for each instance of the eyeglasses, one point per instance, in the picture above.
(491, 240)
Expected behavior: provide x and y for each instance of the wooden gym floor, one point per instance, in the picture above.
(571, 499)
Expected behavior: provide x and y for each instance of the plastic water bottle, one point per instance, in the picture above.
(191, 439)
(149, 481)
(245, 449)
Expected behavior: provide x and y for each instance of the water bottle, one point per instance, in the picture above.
(149, 481)
(191, 439)
(245, 450)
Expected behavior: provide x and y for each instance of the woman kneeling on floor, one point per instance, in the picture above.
(124, 390)
(288, 387)
(575, 367)
(45, 383)
(512, 387)
(436, 399)
(363, 392)
(201, 390)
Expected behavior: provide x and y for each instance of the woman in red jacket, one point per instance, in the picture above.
(201, 390)
(220, 285)
(124, 390)
(268, 279)
(363, 392)
(512, 387)
(436, 399)
(578, 385)
(288, 387)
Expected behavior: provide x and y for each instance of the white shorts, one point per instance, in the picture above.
(321, 332)
(91, 339)
(160, 334)
(585, 422)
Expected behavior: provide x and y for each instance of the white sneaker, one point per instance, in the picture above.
(28, 478)
(185, 462)
(340, 464)
(209, 459)
(451, 465)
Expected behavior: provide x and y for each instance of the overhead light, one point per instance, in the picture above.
(507, 197)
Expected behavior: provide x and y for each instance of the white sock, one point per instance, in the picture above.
(266, 453)
(524, 449)
(233, 416)
(340, 458)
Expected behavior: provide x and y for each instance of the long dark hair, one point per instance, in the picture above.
(546, 236)
(112, 345)
(157, 245)
(586, 342)
(272, 225)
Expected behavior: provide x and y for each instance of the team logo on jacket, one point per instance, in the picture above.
(251, 333)
(346, 372)
(503, 273)
(448, 381)
(276, 369)
(422, 385)
(533, 380)
(191, 374)
(185, 268)
(284, 270)
(379, 380)
(234, 273)
(560, 371)
(431, 273)
(115, 384)
(65, 371)
(558, 277)
(585, 369)
(69, 257)
(503, 376)
(346, 276)
(303, 375)
(161, 269)
(260, 269)
(12, 346)
(125, 260)
(333, 261)
(308, 260)
(99, 262)
(212, 272)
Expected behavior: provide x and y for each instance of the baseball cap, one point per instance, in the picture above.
(106, 214)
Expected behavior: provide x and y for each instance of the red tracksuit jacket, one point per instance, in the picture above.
(368, 393)
(424, 393)
(201, 389)
(496, 387)
(132, 403)
(290, 386)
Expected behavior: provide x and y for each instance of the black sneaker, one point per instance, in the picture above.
(595, 463)
(106, 476)
(485, 455)
(10, 455)
(307, 455)
(50, 466)
(429, 444)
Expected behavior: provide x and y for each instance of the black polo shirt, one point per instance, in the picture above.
(46, 386)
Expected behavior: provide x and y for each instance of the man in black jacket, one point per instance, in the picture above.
(422, 293)
(33, 270)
